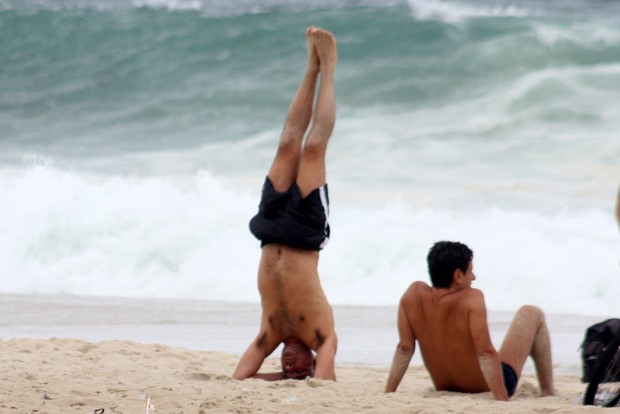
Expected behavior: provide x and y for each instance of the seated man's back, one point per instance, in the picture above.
(440, 321)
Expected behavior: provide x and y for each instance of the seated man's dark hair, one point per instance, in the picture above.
(444, 258)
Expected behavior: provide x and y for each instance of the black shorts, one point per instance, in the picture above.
(287, 218)
(510, 378)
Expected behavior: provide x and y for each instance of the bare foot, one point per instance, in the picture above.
(313, 57)
(325, 44)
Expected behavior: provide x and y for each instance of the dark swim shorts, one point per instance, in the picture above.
(510, 379)
(288, 218)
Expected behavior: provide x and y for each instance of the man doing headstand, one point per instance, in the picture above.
(292, 224)
(449, 322)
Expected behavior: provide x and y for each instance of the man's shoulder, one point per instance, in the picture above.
(418, 287)
(418, 284)
(473, 298)
(415, 291)
(469, 293)
(475, 293)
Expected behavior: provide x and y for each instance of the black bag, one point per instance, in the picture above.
(594, 344)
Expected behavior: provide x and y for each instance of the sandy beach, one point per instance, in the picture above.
(135, 136)
(79, 354)
(76, 376)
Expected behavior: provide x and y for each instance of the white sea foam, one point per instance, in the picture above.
(457, 11)
(170, 4)
(590, 35)
(119, 236)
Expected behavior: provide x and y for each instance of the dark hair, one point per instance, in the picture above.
(444, 258)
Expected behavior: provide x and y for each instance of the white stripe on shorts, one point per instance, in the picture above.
(323, 196)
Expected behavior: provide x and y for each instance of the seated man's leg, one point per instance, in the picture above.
(528, 336)
(283, 171)
(312, 164)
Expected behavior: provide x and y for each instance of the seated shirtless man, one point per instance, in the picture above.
(449, 321)
(293, 227)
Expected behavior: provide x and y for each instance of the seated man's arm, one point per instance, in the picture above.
(325, 357)
(490, 364)
(404, 350)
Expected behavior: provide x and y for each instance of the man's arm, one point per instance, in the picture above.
(253, 357)
(404, 350)
(488, 358)
(248, 368)
(250, 362)
(270, 376)
(325, 356)
(491, 370)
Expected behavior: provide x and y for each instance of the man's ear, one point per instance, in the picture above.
(457, 276)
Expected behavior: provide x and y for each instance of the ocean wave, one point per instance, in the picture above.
(459, 11)
(456, 12)
(170, 4)
(211, 8)
(187, 237)
(589, 35)
(135, 143)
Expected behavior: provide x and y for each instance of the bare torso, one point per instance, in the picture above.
(441, 324)
(293, 302)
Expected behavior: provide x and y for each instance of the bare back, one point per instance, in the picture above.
(293, 301)
(445, 324)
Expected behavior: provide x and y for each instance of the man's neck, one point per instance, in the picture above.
(293, 340)
(441, 292)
